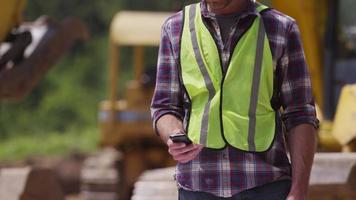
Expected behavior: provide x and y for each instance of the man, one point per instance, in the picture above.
(225, 69)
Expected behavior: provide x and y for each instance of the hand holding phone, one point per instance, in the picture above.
(180, 138)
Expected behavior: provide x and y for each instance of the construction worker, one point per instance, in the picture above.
(225, 70)
(44, 41)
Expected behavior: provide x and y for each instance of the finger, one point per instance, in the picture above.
(199, 146)
(173, 145)
(193, 154)
(184, 150)
(188, 149)
(290, 197)
(181, 151)
(186, 157)
(177, 148)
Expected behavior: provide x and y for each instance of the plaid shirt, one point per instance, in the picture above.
(230, 171)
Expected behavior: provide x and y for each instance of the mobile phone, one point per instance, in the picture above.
(180, 137)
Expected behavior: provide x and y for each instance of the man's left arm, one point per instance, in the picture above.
(302, 142)
(299, 114)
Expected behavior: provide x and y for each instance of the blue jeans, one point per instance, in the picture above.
(272, 191)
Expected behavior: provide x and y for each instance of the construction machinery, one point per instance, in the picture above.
(328, 30)
(29, 49)
(125, 122)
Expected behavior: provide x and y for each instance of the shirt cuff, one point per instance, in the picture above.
(160, 114)
(290, 124)
(294, 116)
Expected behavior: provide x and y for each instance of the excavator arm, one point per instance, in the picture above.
(18, 81)
(311, 18)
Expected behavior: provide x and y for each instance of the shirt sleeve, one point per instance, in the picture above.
(296, 90)
(167, 97)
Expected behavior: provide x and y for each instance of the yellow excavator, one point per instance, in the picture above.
(328, 29)
(29, 49)
(329, 38)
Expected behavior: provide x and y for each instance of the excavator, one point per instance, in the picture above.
(29, 49)
(328, 30)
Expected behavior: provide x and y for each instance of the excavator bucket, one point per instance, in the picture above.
(344, 129)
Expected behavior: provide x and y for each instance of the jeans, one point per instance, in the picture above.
(278, 190)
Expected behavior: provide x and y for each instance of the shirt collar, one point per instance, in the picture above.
(251, 9)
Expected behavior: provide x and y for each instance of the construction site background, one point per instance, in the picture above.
(85, 127)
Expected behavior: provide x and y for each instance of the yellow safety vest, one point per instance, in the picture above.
(233, 107)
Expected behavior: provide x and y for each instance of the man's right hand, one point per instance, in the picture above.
(168, 124)
(183, 153)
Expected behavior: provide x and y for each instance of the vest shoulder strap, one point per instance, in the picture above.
(260, 7)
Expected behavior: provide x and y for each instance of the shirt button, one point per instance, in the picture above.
(209, 181)
(224, 156)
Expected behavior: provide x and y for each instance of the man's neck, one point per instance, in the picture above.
(233, 6)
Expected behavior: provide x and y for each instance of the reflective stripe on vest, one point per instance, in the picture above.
(235, 107)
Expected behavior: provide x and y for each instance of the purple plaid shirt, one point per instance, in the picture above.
(230, 171)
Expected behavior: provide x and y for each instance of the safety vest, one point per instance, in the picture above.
(233, 107)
